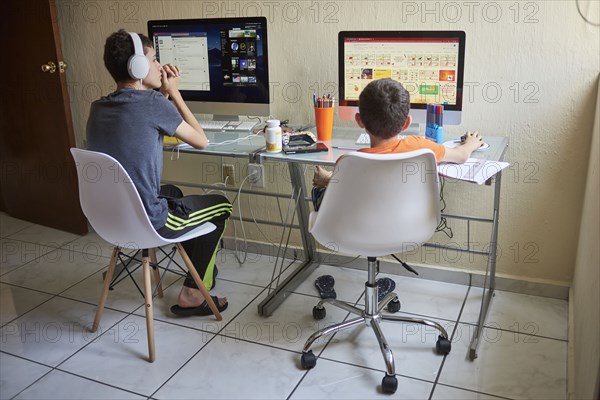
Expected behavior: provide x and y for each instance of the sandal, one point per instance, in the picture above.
(324, 285)
(384, 286)
(202, 310)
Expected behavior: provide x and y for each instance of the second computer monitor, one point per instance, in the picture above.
(429, 64)
(224, 62)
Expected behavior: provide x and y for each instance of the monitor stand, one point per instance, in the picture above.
(217, 117)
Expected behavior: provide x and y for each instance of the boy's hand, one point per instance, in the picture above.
(473, 141)
(321, 177)
(170, 79)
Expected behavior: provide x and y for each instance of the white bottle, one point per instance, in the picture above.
(273, 136)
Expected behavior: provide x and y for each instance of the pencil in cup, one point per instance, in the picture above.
(324, 107)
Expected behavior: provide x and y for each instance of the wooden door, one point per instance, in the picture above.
(38, 180)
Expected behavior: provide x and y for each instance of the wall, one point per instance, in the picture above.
(586, 281)
(530, 68)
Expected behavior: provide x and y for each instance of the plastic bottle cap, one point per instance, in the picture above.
(273, 123)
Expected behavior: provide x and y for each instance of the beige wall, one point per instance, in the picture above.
(531, 68)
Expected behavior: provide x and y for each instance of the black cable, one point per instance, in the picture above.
(443, 225)
(583, 16)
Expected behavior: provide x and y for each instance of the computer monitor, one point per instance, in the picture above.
(429, 64)
(224, 62)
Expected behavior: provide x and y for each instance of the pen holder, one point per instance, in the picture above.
(434, 129)
(324, 122)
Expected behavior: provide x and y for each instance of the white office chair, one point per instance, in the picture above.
(377, 205)
(115, 210)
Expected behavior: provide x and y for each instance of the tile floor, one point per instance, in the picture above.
(50, 283)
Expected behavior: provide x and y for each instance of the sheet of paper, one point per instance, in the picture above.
(476, 170)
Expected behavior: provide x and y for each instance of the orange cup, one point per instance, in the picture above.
(324, 123)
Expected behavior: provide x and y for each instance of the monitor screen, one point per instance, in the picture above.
(429, 64)
(224, 62)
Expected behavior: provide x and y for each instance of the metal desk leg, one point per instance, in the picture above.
(281, 292)
(490, 273)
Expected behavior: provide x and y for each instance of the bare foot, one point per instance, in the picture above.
(190, 297)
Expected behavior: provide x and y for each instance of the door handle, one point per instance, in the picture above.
(51, 67)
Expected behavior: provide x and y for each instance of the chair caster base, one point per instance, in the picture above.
(443, 345)
(308, 360)
(389, 384)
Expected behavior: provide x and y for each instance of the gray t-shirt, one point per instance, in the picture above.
(129, 125)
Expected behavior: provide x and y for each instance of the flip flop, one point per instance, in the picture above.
(384, 286)
(202, 310)
(324, 285)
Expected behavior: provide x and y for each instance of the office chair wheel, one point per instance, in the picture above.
(319, 313)
(443, 345)
(394, 306)
(308, 360)
(389, 384)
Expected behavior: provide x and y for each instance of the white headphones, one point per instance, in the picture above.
(137, 66)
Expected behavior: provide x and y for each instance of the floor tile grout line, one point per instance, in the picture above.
(110, 328)
(356, 302)
(32, 383)
(61, 295)
(79, 376)
(475, 391)
(69, 357)
(517, 332)
(437, 378)
(439, 372)
(100, 382)
(51, 249)
(210, 340)
(17, 231)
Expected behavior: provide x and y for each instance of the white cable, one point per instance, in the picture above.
(224, 184)
(173, 151)
(233, 140)
(242, 224)
(256, 223)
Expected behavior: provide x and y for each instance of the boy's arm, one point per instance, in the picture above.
(189, 130)
(461, 154)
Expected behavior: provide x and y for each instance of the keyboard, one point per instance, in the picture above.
(238, 126)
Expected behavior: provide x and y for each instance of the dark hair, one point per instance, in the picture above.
(117, 50)
(383, 106)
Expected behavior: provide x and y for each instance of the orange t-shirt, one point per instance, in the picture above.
(409, 143)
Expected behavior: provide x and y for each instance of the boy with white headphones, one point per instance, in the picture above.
(129, 124)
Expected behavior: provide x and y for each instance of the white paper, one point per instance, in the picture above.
(476, 170)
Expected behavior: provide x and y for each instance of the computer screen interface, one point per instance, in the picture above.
(428, 64)
(222, 60)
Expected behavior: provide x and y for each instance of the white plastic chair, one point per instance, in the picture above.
(115, 210)
(377, 205)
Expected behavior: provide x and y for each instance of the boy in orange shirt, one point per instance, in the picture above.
(383, 108)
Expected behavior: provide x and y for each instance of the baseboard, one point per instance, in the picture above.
(429, 272)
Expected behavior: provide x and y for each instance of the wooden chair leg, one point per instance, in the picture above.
(105, 288)
(159, 289)
(149, 309)
(199, 283)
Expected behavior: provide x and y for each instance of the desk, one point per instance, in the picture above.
(344, 138)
